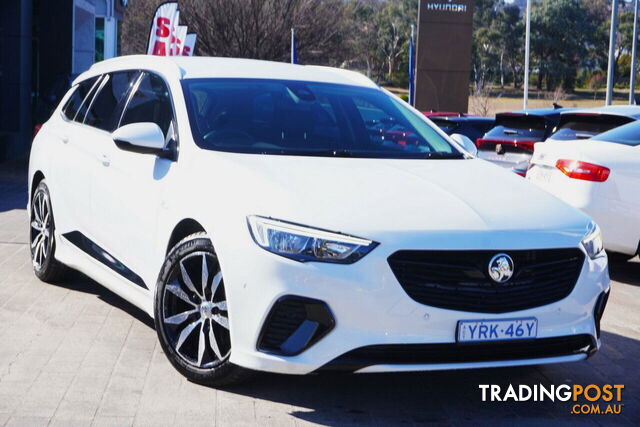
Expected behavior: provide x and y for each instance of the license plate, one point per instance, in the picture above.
(497, 330)
(539, 174)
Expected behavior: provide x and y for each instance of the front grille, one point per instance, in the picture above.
(459, 280)
(424, 354)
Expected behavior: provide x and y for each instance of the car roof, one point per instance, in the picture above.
(192, 67)
(614, 110)
(536, 112)
(460, 119)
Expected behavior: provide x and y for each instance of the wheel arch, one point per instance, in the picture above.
(37, 177)
(184, 228)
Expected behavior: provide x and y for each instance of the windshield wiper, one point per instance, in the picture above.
(444, 155)
(324, 153)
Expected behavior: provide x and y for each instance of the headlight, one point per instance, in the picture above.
(305, 243)
(592, 242)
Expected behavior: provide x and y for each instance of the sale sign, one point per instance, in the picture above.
(189, 45)
(163, 29)
(178, 39)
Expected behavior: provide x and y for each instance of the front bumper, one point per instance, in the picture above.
(370, 308)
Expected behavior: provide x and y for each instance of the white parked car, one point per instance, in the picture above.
(267, 218)
(601, 176)
(588, 122)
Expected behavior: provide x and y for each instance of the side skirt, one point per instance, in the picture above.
(93, 250)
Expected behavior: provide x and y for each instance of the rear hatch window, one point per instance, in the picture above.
(627, 135)
(518, 126)
(584, 126)
(446, 125)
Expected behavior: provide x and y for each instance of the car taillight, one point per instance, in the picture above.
(36, 129)
(526, 145)
(582, 170)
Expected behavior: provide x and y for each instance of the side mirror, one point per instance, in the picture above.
(465, 143)
(144, 138)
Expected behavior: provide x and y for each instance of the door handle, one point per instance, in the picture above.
(105, 160)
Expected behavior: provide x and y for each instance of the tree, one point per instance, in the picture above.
(258, 29)
(393, 33)
(559, 35)
(509, 26)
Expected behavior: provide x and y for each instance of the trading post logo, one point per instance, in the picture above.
(591, 399)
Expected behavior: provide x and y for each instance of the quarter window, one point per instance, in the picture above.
(74, 103)
(104, 111)
(150, 103)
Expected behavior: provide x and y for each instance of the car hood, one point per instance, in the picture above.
(374, 198)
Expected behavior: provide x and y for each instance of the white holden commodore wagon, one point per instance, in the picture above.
(300, 219)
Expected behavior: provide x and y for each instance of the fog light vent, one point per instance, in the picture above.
(295, 324)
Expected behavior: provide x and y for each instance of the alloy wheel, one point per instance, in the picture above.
(194, 312)
(41, 229)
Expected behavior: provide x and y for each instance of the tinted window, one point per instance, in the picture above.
(574, 126)
(150, 103)
(447, 126)
(80, 92)
(628, 134)
(522, 126)
(307, 119)
(103, 112)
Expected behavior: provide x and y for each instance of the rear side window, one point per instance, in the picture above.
(150, 103)
(576, 126)
(79, 95)
(104, 110)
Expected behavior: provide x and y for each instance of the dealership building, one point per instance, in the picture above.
(44, 44)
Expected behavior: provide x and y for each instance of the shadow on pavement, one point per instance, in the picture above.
(448, 396)
(81, 283)
(14, 196)
(626, 272)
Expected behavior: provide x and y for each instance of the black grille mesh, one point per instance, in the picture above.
(459, 280)
(285, 318)
(412, 354)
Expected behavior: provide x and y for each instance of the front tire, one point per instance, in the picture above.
(42, 237)
(191, 314)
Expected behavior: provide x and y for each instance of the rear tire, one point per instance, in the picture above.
(191, 315)
(42, 237)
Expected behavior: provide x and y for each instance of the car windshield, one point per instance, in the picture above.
(308, 119)
(628, 135)
(584, 126)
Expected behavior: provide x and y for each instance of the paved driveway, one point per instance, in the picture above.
(76, 354)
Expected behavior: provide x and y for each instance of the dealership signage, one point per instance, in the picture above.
(444, 55)
(447, 6)
(167, 37)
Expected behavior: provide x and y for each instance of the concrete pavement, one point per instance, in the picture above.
(76, 354)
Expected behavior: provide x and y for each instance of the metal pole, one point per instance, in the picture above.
(412, 69)
(632, 79)
(293, 46)
(527, 48)
(612, 48)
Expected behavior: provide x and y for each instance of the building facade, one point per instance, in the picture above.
(44, 44)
